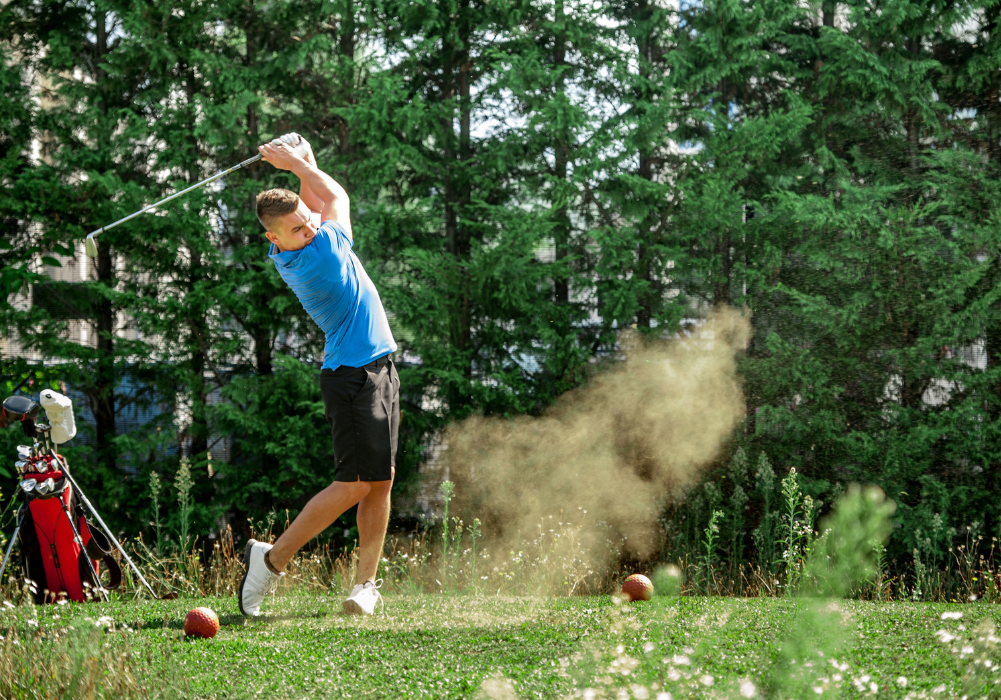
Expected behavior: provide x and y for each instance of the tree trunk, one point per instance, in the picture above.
(721, 289)
(347, 51)
(104, 382)
(457, 194)
(198, 330)
(649, 299)
(561, 230)
(829, 10)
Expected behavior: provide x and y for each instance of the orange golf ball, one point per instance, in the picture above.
(637, 587)
(201, 622)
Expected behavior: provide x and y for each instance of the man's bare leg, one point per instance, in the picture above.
(322, 510)
(373, 518)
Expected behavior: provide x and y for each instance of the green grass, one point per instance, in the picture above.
(447, 646)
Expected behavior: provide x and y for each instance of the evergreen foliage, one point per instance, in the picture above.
(527, 177)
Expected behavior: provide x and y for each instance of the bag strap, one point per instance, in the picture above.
(114, 570)
(99, 549)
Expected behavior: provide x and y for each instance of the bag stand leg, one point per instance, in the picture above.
(83, 550)
(107, 531)
(21, 513)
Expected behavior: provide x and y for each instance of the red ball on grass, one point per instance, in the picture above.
(201, 622)
(637, 587)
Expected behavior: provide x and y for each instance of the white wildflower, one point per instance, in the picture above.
(747, 688)
(952, 615)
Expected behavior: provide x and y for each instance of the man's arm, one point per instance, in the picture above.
(314, 203)
(318, 191)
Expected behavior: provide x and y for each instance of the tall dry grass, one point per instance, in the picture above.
(554, 559)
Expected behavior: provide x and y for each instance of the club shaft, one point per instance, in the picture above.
(83, 549)
(13, 539)
(107, 530)
(207, 180)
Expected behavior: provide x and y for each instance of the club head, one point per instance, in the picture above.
(22, 465)
(24, 451)
(91, 245)
(28, 485)
(46, 486)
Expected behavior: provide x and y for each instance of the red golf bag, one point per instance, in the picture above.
(52, 558)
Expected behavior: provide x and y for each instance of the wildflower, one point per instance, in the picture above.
(747, 688)
(648, 647)
(902, 682)
(707, 680)
(681, 660)
(952, 615)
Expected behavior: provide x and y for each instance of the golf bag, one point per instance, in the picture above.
(52, 558)
(60, 550)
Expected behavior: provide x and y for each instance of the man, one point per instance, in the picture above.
(311, 244)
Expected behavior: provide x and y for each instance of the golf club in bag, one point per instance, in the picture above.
(58, 546)
(298, 144)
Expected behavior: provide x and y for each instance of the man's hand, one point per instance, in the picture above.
(281, 155)
(299, 144)
(317, 190)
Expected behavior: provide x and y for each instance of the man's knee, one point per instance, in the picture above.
(379, 490)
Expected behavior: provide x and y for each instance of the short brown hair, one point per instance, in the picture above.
(274, 203)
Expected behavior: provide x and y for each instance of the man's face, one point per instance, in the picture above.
(294, 231)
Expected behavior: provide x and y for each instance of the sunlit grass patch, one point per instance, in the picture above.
(453, 646)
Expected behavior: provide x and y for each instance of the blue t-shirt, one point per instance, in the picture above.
(336, 292)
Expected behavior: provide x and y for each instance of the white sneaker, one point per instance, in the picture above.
(363, 598)
(258, 580)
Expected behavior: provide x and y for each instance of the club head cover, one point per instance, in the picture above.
(59, 409)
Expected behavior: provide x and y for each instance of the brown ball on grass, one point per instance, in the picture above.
(637, 587)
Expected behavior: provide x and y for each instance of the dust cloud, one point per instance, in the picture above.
(608, 455)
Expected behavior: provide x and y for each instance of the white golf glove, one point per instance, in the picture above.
(296, 142)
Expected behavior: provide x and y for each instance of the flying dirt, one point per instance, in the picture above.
(609, 455)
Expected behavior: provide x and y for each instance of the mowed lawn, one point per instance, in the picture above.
(465, 646)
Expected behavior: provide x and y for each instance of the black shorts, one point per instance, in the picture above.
(362, 405)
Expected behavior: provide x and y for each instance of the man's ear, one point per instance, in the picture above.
(271, 237)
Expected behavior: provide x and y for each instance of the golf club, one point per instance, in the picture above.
(300, 147)
(107, 531)
(83, 549)
(20, 519)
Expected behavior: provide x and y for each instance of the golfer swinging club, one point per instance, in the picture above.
(311, 244)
